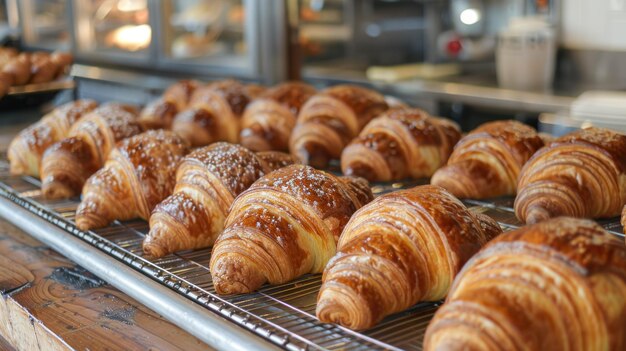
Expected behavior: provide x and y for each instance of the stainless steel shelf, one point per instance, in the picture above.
(179, 286)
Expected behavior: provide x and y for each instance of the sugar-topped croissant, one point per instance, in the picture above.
(402, 248)
(582, 174)
(139, 173)
(207, 182)
(400, 143)
(26, 150)
(67, 164)
(330, 119)
(160, 113)
(214, 113)
(284, 226)
(487, 162)
(556, 285)
(268, 121)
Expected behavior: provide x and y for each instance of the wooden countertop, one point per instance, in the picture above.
(50, 303)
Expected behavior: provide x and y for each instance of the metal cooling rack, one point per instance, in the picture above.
(283, 314)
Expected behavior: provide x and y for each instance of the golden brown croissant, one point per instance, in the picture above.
(401, 143)
(330, 119)
(582, 174)
(160, 113)
(486, 163)
(138, 174)
(67, 164)
(268, 121)
(27, 148)
(19, 69)
(214, 113)
(556, 285)
(400, 249)
(207, 182)
(285, 225)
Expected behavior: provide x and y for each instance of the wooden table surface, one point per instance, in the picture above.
(50, 303)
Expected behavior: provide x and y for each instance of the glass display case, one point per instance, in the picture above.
(113, 28)
(45, 24)
(210, 33)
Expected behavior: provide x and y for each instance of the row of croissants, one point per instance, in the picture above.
(582, 174)
(558, 284)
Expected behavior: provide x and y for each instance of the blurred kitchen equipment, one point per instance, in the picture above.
(525, 55)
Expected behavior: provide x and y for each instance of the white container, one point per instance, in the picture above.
(525, 55)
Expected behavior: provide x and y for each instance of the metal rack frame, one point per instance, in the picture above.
(179, 286)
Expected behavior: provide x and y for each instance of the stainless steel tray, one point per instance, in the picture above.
(283, 315)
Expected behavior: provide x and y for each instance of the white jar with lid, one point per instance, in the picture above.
(525, 54)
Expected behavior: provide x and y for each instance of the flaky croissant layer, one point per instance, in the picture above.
(284, 226)
(582, 174)
(556, 285)
(487, 162)
(402, 248)
(330, 119)
(401, 143)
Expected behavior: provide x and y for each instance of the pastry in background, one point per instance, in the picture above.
(27, 148)
(556, 285)
(138, 174)
(400, 143)
(268, 121)
(486, 163)
(19, 68)
(214, 113)
(67, 164)
(330, 119)
(284, 226)
(160, 113)
(402, 248)
(581, 174)
(207, 182)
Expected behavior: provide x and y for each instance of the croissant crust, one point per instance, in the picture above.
(582, 174)
(402, 248)
(556, 285)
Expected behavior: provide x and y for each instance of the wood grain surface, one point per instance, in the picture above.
(50, 303)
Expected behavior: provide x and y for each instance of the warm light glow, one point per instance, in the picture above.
(132, 5)
(470, 16)
(132, 38)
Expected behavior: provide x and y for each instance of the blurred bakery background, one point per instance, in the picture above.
(555, 64)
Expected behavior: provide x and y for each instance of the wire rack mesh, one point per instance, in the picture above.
(283, 314)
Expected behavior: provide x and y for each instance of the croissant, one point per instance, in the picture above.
(400, 249)
(19, 69)
(27, 148)
(66, 165)
(487, 162)
(160, 113)
(401, 143)
(137, 175)
(284, 226)
(329, 120)
(214, 113)
(268, 121)
(207, 182)
(556, 285)
(582, 174)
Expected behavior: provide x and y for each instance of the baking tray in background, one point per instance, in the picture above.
(31, 95)
(283, 315)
